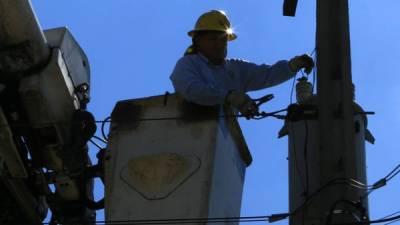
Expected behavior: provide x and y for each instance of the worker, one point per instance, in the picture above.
(205, 76)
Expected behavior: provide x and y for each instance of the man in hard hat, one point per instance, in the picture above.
(204, 75)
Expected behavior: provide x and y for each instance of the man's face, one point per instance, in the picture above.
(213, 45)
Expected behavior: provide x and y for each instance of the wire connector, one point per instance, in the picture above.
(277, 217)
(380, 183)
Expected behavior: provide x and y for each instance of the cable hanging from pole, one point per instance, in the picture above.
(260, 115)
(270, 218)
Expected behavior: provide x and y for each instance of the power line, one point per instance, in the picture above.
(382, 182)
(394, 221)
(100, 139)
(392, 173)
(356, 184)
(260, 115)
(270, 218)
(390, 219)
(392, 214)
(338, 181)
(103, 124)
(292, 89)
(95, 144)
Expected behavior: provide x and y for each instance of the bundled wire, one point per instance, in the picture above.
(394, 221)
(355, 184)
(338, 181)
(390, 215)
(389, 219)
(382, 182)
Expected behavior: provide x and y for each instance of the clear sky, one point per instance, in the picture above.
(133, 45)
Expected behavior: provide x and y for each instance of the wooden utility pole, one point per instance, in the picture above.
(322, 190)
(335, 114)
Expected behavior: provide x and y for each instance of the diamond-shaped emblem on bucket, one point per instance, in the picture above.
(156, 176)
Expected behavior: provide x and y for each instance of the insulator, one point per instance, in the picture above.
(303, 89)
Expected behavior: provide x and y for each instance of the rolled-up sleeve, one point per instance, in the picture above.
(256, 77)
(188, 82)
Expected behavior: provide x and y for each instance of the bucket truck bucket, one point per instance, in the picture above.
(168, 158)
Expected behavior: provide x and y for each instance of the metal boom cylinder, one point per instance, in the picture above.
(22, 42)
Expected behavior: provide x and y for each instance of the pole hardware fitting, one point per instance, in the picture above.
(264, 99)
(82, 91)
(298, 112)
(289, 7)
(364, 113)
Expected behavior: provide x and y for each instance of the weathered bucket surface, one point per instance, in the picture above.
(171, 159)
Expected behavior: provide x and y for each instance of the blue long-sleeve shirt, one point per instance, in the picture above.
(201, 82)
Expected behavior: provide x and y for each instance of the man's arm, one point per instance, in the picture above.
(188, 83)
(255, 77)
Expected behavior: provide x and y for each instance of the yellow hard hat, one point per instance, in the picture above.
(214, 20)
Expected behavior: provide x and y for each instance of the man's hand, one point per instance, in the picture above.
(299, 62)
(243, 103)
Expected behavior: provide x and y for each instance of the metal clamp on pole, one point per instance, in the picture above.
(298, 112)
(289, 7)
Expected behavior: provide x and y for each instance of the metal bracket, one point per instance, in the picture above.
(289, 7)
(298, 112)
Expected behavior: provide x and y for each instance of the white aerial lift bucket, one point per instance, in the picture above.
(170, 159)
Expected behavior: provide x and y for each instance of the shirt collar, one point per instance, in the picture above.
(208, 61)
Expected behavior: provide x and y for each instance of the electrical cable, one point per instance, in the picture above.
(270, 218)
(337, 181)
(394, 218)
(382, 182)
(330, 183)
(100, 139)
(95, 144)
(292, 89)
(313, 52)
(103, 124)
(392, 173)
(394, 221)
(275, 114)
(107, 120)
(183, 222)
(389, 178)
(295, 159)
(306, 185)
(392, 214)
(348, 202)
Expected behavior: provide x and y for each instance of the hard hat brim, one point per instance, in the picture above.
(231, 36)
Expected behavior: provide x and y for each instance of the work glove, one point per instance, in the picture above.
(299, 62)
(242, 102)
